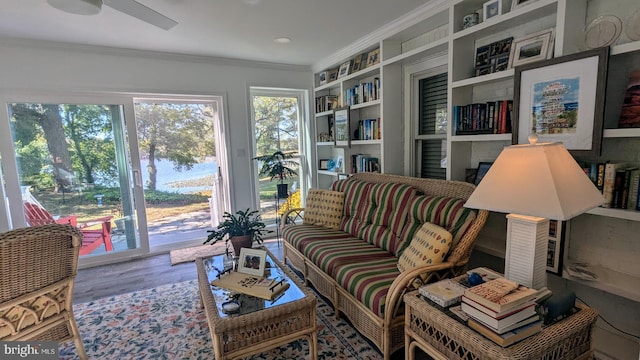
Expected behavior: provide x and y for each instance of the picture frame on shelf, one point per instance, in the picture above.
(341, 128)
(491, 8)
(559, 107)
(339, 163)
(483, 168)
(516, 4)
(373, 57)
(252, 261)
(493, 57)
(323, 164)
(333, 75)
(357, 63)
(531, 48)
(343, 176)
(344, 69)
(555, 247)
(323, 77)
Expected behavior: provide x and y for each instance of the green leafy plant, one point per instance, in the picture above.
(239, 224)
(277, 165)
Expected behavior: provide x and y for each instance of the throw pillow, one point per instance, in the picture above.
(429, 246)
(324, 208)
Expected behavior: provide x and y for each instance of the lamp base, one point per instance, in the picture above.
(526, 255)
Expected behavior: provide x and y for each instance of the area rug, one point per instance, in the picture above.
(168, 323)
(191, 253)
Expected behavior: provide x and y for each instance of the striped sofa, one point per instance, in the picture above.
(355, 267)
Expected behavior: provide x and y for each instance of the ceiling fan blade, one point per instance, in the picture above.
(144, 13)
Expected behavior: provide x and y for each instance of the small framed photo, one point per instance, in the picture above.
(491, 8)
(333, 75)
(534, 47)
(373, 57)
(343, 176)
(357, 64)
(520, 3)
(252, 261)
(344, 69)
(555, 246)
(323, 164)
(339, 164)
(323, 76)
(483, 168)
(341, 129)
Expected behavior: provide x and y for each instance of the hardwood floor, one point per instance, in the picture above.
(108, 280)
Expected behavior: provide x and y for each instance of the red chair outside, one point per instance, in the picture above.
(92, 239)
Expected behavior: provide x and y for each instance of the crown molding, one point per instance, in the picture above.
(374, 38)
(156, 55)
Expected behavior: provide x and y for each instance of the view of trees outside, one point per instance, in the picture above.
(276, 128)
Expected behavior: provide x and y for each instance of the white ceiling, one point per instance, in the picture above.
(238, 29)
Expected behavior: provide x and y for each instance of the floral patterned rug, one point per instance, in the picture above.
(167, 323)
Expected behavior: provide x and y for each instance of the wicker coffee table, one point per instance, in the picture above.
(261, 324)
(445, 338)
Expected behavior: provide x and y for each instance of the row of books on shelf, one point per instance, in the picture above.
(493, 117)
(618, 182)
(363, 92)
(326, 103)
(364, 163)
(499, 309)
(368, 129)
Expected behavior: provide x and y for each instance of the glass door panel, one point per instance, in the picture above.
(73, 167)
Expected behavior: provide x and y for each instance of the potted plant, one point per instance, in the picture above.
(278, 166)
(241, 228)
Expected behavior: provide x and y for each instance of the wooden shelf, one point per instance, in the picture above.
(366, 142)
(365, 104)
(421, 52)
(625, 48)
(484, 79)
(611, 281)
(327, 172)
(325, 143)
(626, 214)
(324, 113)
(488, 137)
(621, 133)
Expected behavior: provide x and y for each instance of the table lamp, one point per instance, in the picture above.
(533, 183)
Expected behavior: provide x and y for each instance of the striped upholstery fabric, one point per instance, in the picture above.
(446, 212)
(376, 213)
(369, 282)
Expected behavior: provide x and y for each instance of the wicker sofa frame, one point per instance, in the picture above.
(388, 333)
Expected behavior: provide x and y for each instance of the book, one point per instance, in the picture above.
(500, 294)
(634, 185)
(510, 337)
(609, 183)
(444, 292)
(497, 314)
(503, 324)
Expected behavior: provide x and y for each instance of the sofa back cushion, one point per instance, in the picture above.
(374, 212)
(448, 213)
(429, 246)
(324, 208)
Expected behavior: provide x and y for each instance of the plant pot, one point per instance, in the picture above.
(283, 191)
(239, 242)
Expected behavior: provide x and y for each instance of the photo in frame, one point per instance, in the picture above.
(343, 176)
(491, 8)
(341, 128)
(252, 261)
(344, 69)
(333, 75)
(520, 3)
(562, 100)
(358, 63)
(483, 168)
(555, 247)
(323, 164)
(493, 57)
(323, 76)
(533, 47)
(373, 57)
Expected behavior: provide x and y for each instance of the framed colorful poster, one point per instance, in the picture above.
(341, 129)
(562, 100)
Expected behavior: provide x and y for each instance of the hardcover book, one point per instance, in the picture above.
(509, 337)
(500, 294)
(444, 292)
(505, 323)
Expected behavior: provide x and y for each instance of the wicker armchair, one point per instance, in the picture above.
(37, 271)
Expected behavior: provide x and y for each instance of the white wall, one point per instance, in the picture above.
(42, 66)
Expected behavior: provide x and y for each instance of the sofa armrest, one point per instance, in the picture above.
(403, 282)
(292, 216)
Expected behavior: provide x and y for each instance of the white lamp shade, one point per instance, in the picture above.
(78, 7)
(537, 180)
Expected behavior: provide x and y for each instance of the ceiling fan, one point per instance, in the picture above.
(129, 7)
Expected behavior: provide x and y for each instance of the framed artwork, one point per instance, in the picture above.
(491, 8)
(338, 167)
(323, 77)
(562, 100)
(520, 3)
(343, 176)
(333, 75)
(341, 129)
(252, 261)
(555, 246)
(373, 57)
(344, 69)
(323, 164)
(493, 57)
(483, 168)
(531, 48)
(357, 63)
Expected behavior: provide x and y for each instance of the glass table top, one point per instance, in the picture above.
(248, 304)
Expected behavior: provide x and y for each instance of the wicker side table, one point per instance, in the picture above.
(443, 337)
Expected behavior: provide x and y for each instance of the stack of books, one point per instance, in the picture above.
(502, 310)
